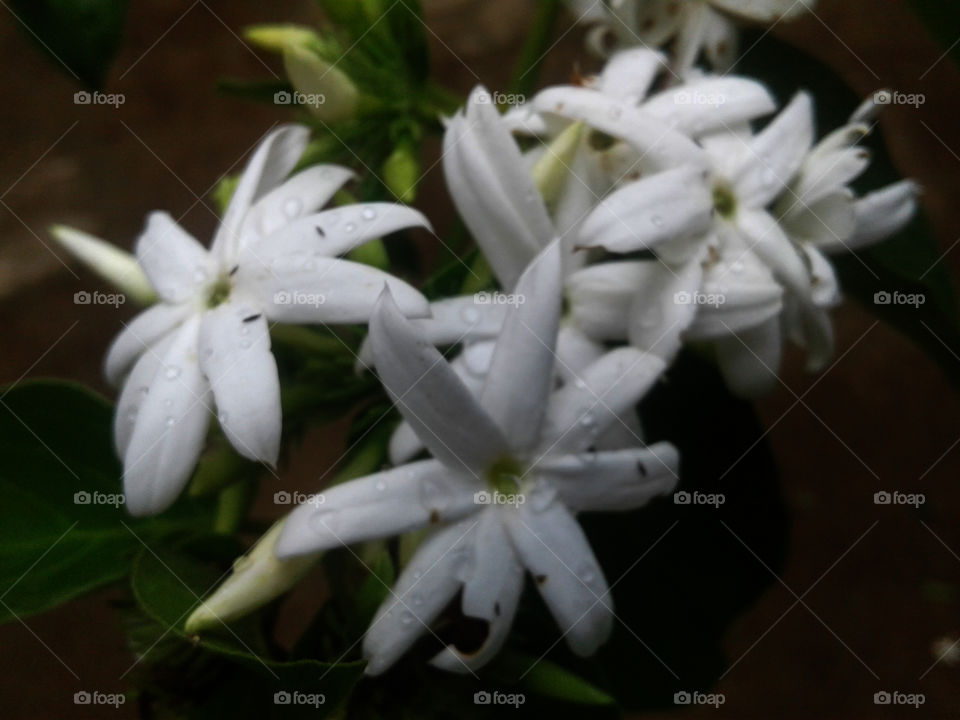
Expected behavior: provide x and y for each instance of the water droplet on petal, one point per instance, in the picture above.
(579, 384)
(381, 485)
(292, 207)
(656, 220)
(325, 522)
(223, 417)
(200, 275)
(245, 344)
(407, 618)
(168, 403)
(470, 315)
(737, 267)
(172, 372)
(171, 421)
(416, 599)
(131, 416)
(349, 227)
(368, 213)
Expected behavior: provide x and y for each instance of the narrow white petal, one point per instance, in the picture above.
(830, 220)
(575, 352)
(767, 240)
(274, 159)
(600, 297)
(325, 290)
(144, 330)
(331, 233)
(883, 213)
(303, 194)
(713, 103)
(491, 591)
(581, 410)
(556, 553)
(745, 295)
(429, 395)
(776, 154)
(765, 11)
(136, 387)
(386, 503)
(665, 306)
(116, 266)
(630, 73)
(425, 587)
(662, 207)
(721, 43)
(521, 372)
(177, 265)
(170, 428)
(689, 42)
(615, 480)
(235, 356)
(493, 190)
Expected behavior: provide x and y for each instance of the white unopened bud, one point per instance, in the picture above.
(552, 169)
(329, 93)
(116, 266)
(257, 578)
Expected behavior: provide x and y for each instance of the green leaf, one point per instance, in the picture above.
(911, 262)
(55, 452)
(82, 36)
(169, 583)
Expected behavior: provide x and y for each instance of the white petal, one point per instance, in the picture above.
(136, 387)
(776, 154)
(661, 147)
(575, 352)
(721, 43)
(624, 433)
(630, 73)
(557, 554)
(471, 366)
(581, 410)
(493, 190)
(831, 220)
(613, 481)
(600, 296)
(332, 232)
(521, 372)
(823, 279)
(746, 295)
(386, 503)
(766, 239)
(303, 194)
(664, 308)
(324, 290)
(235, 356)
(170, 428)
(665, 206)
(118, 267)
(176, 264)
(883, 213)
(429, 395)
(750, 359)
(425, 587)
(274, 159)
(144, 330)
(825, 173)
(491, 592)
(711, 104)
(463, 319)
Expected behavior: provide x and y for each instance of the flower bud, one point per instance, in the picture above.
(401, 171)
(330, 94)
(551, 171)
(257, 578)
(116, 266)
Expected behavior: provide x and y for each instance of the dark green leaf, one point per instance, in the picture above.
(82, 36)
(56, 452)
(942, 17)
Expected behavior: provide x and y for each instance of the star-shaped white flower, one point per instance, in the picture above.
(694, 26)
(510, 470)
(207, 343)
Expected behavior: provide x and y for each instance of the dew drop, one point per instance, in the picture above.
(368, 213)
(292, 207)
(245, 344)
(168, 403)
(223, 417)
(381, 485)
(349, 227)
(588, 421)
(416, 599)
(244, 330)
(200, 275)
(588, 575)
(144, 390)
(470, 315)
(131, 416)
(172, 372)
(407, 618)
(171, 421)
(579, 384)
(657, 221)
(737, 267)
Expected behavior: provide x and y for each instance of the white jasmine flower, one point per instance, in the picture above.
(274, 258)
(694, 26)
(510, 470)
(777, 202)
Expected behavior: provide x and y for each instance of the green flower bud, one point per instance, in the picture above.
(401, 171)
(116, 266)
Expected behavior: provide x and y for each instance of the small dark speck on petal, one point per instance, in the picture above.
(320, 231)
(642, 468)
(496, 609)
(251, 318)
(541, 579)
(234, 271)
(434, 516)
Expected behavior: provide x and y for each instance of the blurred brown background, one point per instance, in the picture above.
(878, 586)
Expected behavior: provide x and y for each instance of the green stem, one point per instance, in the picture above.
(535, 48)
(232, 505)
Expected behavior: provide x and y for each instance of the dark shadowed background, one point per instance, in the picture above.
(870, 596)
